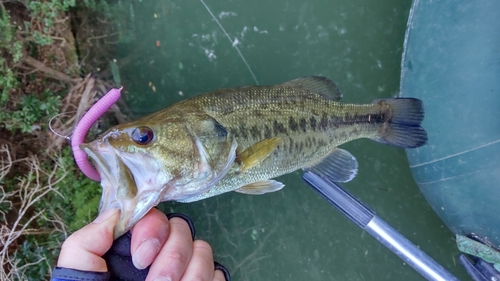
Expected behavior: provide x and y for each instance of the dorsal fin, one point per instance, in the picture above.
(318, 84)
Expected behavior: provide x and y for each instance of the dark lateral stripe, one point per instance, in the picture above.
(292, 124)
(303, 124)
(365, 118)
(279, 128)
(243, 131)
(336, 121)
(323, 124)
(255, 132)
(267, 132)
(312, 123)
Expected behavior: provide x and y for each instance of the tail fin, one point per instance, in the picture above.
(402, 123)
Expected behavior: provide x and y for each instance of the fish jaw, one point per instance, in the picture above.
(173, 167)
(127, 184)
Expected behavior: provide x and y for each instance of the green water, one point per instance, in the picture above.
(178, 51)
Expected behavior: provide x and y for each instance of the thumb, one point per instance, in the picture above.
(83, 249)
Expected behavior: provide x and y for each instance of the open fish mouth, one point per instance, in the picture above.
(102, 159)
(135, 179)
(125, 183)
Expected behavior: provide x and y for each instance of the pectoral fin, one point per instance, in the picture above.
(338, 166)
(261, 187)
(256, 153)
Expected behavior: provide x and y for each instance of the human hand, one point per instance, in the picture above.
(159, 248)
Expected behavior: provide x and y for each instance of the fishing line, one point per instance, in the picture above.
(232, 42)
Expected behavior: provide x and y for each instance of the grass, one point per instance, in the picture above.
(29, 259)
(43, 195)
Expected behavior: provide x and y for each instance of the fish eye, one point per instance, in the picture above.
(142, 135)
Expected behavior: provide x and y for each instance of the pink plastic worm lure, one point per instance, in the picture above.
(94, 113)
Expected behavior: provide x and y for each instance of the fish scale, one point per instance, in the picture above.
(239, 139)
(296, 115)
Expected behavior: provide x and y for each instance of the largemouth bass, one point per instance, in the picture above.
(238, 140)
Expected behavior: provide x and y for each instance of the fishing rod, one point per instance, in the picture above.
(378, 228)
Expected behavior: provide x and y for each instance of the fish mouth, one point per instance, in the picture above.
(125, 183)
(100, 158)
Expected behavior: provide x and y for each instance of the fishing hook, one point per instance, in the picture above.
(68, 137)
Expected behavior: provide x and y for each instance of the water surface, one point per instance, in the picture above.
(178, 50)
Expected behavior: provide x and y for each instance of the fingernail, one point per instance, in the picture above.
(106, 215)
(146, 253)
(163, 278)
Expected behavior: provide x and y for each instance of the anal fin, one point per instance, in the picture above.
(260, 187)
(338, 166)
(256, 153)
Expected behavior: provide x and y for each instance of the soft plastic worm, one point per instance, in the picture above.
(94, 113)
